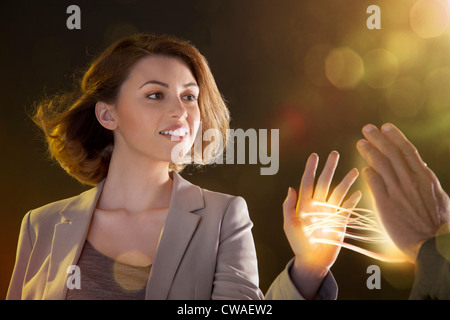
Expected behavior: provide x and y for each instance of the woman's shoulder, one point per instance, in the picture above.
(211, 198)
(220, 198)
(227, 210)
(49, 212)
(225, 207)
(214, 201)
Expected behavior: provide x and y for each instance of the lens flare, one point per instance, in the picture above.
(344, 68)
(429, 18)
(357, 224)
(381, 68)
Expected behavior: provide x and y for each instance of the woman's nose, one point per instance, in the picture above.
(177, 109)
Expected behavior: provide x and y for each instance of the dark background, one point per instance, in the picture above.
(268, 58)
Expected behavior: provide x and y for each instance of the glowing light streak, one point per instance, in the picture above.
(368, 253)
(357, 224)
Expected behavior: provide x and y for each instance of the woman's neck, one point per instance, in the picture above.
(136, 184)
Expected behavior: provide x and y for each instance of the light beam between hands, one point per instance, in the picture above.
(363, 221)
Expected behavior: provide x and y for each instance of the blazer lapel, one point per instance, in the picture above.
(178, 230)
(68, 240)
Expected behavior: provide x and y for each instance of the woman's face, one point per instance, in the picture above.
(157, 108)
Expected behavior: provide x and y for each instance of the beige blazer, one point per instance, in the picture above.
(206, 250)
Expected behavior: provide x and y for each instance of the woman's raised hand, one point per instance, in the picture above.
(302, 215)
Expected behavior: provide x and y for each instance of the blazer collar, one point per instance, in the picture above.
(185, 195)
(71, 233)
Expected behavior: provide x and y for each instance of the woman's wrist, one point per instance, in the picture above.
(307, 278)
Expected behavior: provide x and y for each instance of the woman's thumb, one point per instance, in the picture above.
(289, 203)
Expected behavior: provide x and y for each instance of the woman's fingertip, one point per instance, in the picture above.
(314, 156)
(355, 196)
(290, 192)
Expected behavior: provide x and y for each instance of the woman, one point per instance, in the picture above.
(143, 231)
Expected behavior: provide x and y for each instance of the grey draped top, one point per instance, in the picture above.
(103, 278)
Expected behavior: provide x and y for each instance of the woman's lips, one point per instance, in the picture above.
(174, 137)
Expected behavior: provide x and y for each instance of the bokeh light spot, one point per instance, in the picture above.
(344, 68)
(131, 277)
(406, 47)
(381, 68)
(429, 18)
(293, 126)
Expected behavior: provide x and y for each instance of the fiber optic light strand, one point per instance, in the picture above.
(368, 253)
(342, 220)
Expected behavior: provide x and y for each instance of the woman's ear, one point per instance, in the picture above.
(105, 115)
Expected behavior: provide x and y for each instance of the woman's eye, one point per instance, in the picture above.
(190, 97)
(156, 95)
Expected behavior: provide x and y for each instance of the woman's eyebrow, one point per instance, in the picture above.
(163, 84)
(155, 82)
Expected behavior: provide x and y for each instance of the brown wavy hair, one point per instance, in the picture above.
(75, 138)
